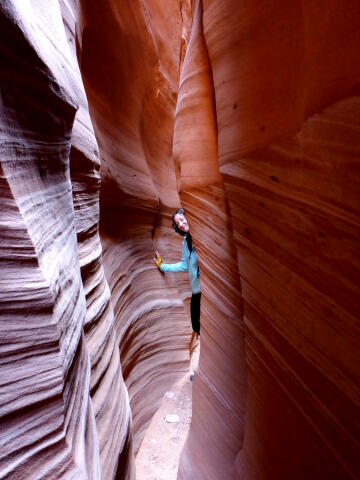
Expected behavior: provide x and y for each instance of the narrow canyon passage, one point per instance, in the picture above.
(159, 452)
(112, 115)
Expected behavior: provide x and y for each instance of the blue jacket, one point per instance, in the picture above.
(188, 262)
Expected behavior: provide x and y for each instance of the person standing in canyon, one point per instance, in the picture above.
(188, 263)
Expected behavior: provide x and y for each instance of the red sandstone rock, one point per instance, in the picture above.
(132, 91)
(47, 423)
(251, 112)
(219, 389)
(291, 187)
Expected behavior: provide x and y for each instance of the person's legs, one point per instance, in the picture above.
(195, 312)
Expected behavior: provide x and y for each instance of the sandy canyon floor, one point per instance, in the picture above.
(159, 453)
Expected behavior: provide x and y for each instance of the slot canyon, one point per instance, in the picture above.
(113, 114)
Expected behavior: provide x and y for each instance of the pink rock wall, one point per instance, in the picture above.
(287, 121)
(219, 389)
(51, 174)
(47, 421)
(132, 91)
(62, 386)
(247, 115)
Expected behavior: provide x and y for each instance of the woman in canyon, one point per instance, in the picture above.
(188, 262)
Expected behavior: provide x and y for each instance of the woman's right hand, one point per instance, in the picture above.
(158, 259)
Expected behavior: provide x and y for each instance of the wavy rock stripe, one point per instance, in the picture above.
(152, 332)
(43, 430)
(108, 393)
(51, 428)
(302, 333)
(132, 91)
(27, 337)
(248, 113)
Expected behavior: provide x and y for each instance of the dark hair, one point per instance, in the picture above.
(175, 227)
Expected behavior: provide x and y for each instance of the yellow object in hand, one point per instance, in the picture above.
(158, 259)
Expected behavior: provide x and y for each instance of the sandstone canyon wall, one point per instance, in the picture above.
(247, 114)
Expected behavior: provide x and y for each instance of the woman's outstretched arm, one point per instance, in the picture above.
(181, 266)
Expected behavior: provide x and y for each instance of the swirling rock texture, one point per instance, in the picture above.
(65, 409)
(284, 79)
(130, 66)
(247, 114)
(47, 422)
(63, 400)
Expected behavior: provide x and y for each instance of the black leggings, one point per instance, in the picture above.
(195, 312)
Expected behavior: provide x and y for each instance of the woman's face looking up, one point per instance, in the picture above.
(181, 222)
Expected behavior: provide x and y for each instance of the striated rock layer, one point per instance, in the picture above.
(64, 407)
(248, 115)
(130, 66)
(48, 428)
(67, 338)
(287, 119)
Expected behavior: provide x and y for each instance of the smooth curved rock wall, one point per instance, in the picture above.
(50, 171)
(65, 409)
(47, 426)
(130, 66)
(219, 389)
(108, 392)
(248, 116)
(285, 80)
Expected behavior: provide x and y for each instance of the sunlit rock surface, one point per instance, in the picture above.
(247, 114)
(65, 409)
(48, 428)
(285, 80)
(130, 65)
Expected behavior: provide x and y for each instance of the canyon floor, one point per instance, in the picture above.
(159, 453)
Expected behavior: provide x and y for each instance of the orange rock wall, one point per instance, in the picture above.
(285, 81)
(130, 66)
(72, 339)
(247, 114)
